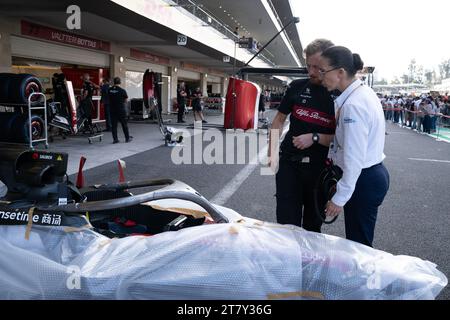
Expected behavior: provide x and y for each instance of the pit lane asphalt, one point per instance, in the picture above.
(413, 220)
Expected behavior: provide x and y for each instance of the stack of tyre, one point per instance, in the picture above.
(15, 89)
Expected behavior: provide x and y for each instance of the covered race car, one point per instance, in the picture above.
(104, 242)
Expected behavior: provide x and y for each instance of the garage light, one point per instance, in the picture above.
(121, 59)
(175, 69)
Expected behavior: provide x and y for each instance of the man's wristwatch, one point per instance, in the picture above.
(315, 137)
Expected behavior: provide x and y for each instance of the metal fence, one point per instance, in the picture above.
(435, 125)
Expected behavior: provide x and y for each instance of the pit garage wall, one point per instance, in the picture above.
(134, 73)
(12, 43)
(189, 75)
(5, 45)
(215, 83)
(36, 49)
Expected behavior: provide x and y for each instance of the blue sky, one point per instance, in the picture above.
(386, 33)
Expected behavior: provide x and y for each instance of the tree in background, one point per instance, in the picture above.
(444, 69)
(383, 81)
(428, 76)
(419, 75)
(412, 70)
(395, 81)
(416, 73)
(405, 78)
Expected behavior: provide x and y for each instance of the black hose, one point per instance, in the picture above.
(178, 191)
(325, 189)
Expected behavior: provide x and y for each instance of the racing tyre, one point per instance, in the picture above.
(20, 130)
(21, 86)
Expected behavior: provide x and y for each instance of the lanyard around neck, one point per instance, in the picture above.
(338, 111)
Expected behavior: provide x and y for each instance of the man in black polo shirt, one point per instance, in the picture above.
(181, 100)
(304, 149)
(86, 104)
(105, 101)
(117, 99)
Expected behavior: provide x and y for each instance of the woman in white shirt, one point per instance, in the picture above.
(358, 145)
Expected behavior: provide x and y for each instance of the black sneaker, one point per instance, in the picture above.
(204, 121)
(116, 141)
(129, 139)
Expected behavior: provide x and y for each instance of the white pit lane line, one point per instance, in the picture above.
(429, 160)
(231, 187)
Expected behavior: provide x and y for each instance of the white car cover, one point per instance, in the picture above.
(240, 260)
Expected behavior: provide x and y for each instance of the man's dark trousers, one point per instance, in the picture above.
(295, 183)
(181, 108)
(116, 117)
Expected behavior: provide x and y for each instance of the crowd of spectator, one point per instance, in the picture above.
(422, 113)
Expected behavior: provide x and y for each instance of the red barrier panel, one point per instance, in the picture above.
(241, 106)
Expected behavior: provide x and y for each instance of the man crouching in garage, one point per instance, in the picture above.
(304, 150)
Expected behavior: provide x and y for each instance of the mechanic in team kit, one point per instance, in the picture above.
(86, 104)
(181, 100)
(105, 101)
(357, 147)
(117, 100)
(304, 150)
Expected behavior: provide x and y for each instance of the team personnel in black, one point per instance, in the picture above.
(181, 100)
(61, 96)
(262, 107)
(304, 149)
(197, 105)
(105, 101)
(117, 99)
(86, 103)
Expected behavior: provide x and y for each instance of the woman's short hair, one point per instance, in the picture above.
(342, 57)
